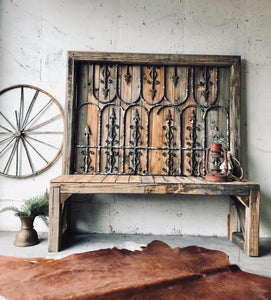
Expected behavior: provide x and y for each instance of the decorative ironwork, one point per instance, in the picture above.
(193, 143)
(135, 153)
(106, 81)
(129, 154)
(175, 77)
(169, 135)
(206, 83)
(127, 76)
(111, 142)
(87, 160)
(153, 82)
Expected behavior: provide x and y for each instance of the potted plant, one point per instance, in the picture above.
(34, 207)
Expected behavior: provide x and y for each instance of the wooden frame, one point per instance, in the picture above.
(244, 195)
(75, 58)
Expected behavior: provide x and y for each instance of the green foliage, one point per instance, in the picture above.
(37, 206)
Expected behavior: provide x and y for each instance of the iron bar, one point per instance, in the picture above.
(135, 153)
(87, 152)
(111, 141)
(169, 143)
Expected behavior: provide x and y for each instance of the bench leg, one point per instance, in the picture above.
(251, 236)
(248, 214)
(54, 234)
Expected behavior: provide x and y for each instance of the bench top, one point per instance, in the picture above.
(135, 184)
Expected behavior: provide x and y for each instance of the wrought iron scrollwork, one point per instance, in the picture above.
(206, 84)
(193, 143)
(127, 76)
(169, 135)
(126, 86)
(87, 160)
(111, 141)
(175, 77)
(153, 82)
(135, 153)
(106, 80)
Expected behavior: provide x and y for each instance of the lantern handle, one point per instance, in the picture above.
(206, 161)
(226, 161)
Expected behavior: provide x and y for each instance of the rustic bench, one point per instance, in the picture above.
(141, 124)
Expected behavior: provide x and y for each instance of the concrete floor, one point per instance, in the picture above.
(81, 243)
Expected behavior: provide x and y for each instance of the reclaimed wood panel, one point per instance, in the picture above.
(201, 97)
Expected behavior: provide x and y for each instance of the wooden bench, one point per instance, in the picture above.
(141, 124)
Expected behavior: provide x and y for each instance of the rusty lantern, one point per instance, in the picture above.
(216, 163)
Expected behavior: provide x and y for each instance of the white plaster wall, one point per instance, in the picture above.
(35, 36)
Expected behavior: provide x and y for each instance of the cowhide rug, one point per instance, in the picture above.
(157, 272)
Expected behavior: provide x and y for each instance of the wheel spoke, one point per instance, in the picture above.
(42, 110)
(28, 157)
(21, 115)
(44, 143)
(17, 120)
(6, 129)
(44, 123)
(6, 139)
(44, 132)
(30, 109)
(7, 121)
(17, 159)
(15, 146)
(4, 149)
(41, 156)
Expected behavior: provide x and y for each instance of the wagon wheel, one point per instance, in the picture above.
(31, 131)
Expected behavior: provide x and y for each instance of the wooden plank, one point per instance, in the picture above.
(135, 178)
(159, 179)
(123, 179)
(251, 245)
(147, 179)
(237, 239)
(110, 178)
(121, 186)
(235, 108)
(183, 179)
(172, 179)
(79, 178)
(231, 219)
(67, 160)
(243, 200)
(95, 178)
(92, 120)
(54, 232)
(81, 118)
(160, 59)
